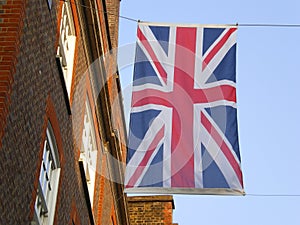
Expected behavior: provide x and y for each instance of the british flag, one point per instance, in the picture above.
(183, 122)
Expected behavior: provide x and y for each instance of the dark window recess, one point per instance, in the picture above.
(63, 84)
(107, 25)
(49, 4)
(86, 193)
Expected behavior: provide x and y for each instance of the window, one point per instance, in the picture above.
(49, 4)
(48, 182)
(66, 46)
(89, 151)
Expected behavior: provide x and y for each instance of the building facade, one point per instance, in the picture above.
(59, 141)
(62, 129)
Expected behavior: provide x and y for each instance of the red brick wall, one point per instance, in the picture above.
(105, 198)
(113, 7)
(11, 24)
(33, 70)
(29, 78)
(151, 210)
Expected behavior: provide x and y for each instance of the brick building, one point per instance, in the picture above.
(57, 136)
(151, 210)
(62, 132)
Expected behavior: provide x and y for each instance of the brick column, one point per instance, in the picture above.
(151, 210)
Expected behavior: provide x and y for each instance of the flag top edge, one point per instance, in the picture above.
(188, 25)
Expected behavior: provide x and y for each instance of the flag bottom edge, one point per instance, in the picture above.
(190, 191)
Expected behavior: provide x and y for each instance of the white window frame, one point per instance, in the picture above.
(88, 152)
(44, 208)
(66, 46)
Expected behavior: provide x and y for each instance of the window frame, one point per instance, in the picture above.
(48, 182)
(89, 149)
(67, 45)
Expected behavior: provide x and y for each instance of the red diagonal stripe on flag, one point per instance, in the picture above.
(143, 164)
(223, 146)
(217, 47)
(150, 51)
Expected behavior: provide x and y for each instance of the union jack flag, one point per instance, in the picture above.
(183, 121)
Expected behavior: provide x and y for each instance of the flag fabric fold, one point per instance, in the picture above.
(183, 134)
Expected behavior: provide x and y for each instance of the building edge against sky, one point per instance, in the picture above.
(62, 122)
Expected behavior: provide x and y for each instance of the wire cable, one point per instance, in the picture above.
(273, 195)
(128, 18)
(268, 25)
(278, 25)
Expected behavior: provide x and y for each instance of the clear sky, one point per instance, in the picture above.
(268, 77)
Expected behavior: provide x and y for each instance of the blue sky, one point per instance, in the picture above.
(268, 77)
